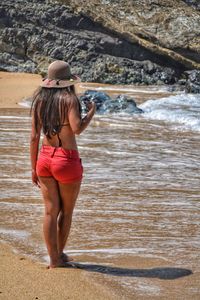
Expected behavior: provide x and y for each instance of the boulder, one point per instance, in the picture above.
(105, 104)
(193, 81)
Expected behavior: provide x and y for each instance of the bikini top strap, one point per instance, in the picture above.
(60, 142)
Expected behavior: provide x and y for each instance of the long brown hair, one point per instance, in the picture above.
(49, 108)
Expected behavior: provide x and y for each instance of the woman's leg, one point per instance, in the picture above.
(50, 191)
(68, 195)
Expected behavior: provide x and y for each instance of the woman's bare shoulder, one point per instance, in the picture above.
(72, 101)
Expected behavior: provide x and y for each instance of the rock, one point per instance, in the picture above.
(98, 97)
(167, 28)
(120, 104)
(194, 3)
(193, 81)
(105, 104)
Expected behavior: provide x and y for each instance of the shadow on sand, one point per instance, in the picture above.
(161, 273)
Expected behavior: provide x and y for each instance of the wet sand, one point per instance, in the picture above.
(22, 278)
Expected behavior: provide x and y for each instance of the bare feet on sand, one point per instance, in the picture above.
(59, 264)
(62, 262)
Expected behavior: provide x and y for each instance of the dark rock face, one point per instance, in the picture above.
(34, 33)
(165, 27)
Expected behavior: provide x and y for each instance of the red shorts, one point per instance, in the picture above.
(63, 165)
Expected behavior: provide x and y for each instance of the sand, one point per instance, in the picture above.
(16, 87)
(22, 278)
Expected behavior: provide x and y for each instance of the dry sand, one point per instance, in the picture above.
(24, 279)
(15, 87)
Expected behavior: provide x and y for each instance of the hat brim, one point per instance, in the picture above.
(59, 84)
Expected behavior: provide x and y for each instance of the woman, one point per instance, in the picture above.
(57, 170)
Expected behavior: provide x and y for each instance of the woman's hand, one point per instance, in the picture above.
(78, 124)
(35, 179)
(91, 106)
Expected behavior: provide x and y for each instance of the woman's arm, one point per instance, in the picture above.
(34, 145)
(78, 124)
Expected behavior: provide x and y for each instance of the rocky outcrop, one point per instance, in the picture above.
(102, 40)
(194, 3)
(165, 27)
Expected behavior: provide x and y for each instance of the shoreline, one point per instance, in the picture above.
(16, 87)
(23, 278)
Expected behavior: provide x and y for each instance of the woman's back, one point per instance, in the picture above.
(65, 138)
(57, 112)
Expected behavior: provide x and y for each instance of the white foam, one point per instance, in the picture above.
(16, 130)
(20, 206)
(9, 179)
(14, 233)
(15, 117)
(181, 111)
(125, 89)
(108, 250)
(26, 104)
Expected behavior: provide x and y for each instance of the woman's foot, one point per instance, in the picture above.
(59, 264)
(65, 258)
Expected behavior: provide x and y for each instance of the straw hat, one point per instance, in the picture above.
(59, 76)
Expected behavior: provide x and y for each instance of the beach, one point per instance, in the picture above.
(23, 278)
(155, 268)
(16, 87)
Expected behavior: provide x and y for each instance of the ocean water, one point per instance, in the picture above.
(139, 197)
